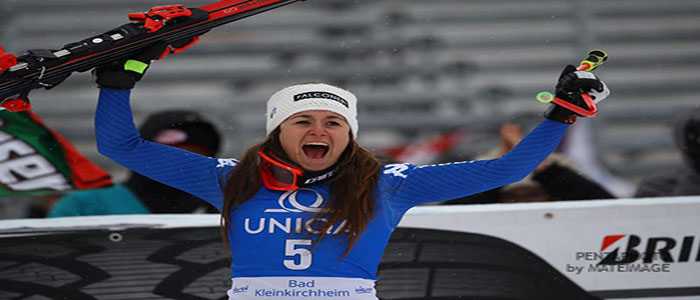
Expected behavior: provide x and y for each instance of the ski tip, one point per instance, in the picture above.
(16, 105)
(7, 60)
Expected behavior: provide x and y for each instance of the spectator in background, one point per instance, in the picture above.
(554, 179)
(684, 181)
(140, 195)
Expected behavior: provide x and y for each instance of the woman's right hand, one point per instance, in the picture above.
(123, 75)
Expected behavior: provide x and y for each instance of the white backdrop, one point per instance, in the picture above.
(558, 232)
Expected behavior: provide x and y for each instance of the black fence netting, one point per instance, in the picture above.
(191, 263)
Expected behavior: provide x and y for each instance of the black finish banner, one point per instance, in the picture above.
(191, 263)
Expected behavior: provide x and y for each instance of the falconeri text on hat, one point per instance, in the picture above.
(313, 96)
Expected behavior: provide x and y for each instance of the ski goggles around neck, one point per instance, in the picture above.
(278, 175)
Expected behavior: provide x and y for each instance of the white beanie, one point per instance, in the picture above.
(313, 96)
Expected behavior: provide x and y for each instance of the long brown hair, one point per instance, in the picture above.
(351, 189)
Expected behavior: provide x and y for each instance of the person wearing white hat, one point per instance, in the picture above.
(308, 212)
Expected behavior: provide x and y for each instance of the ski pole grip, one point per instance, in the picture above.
(594, 60)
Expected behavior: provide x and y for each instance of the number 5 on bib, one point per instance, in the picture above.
(299, 258)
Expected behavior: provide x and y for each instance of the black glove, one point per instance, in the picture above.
(123, 75)
(569, 88)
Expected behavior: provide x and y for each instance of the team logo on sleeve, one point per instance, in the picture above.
(289, 202)
(397, 170)
(226, 162)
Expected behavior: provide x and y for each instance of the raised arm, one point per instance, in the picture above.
(432, 183)
(118, 139)
(441, 182)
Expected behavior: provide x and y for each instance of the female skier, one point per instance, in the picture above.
(308, 212)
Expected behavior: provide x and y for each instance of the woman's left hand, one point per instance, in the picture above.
(570, 86)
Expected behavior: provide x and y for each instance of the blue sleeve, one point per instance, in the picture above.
(118, 139)
(431, 183)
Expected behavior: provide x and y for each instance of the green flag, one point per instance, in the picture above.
(36, 160)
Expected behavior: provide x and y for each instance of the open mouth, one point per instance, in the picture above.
(315, 150)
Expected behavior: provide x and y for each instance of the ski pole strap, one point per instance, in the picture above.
(135, 66)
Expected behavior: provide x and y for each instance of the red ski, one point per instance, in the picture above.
(170, 24)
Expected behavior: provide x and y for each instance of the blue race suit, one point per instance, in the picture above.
(270, 234)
